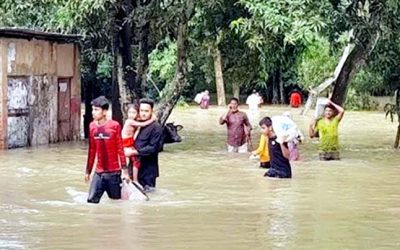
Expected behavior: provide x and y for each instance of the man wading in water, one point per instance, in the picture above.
(238, 128)
(327, 129)
(147, 145)
(105, 144)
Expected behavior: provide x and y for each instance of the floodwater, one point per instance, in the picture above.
(209, 199)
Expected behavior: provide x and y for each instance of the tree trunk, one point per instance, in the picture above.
(133, 90)
(275, 87)
(354, 61)
(281, 88)
(125, 74)
(397, 99)
(219, 80)
(350, 67)
(397, 140)
(236, 90)
(176, 87)
(88, 90)
(314, 92)
(124, 95)
(141, 77)
(115, 88)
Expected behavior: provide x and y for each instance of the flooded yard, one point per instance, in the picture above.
(207, 198)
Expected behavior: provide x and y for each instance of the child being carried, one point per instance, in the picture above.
(129, 133)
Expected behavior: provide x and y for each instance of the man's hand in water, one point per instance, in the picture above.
(125, 175)
(87, 178)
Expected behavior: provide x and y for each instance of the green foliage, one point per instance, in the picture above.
(368, 81)
(301, 38)
(360, 101)
(36, 14)
(104, 68)
(315, 63)
(210, 31)
(163, 61)
(296, 20)
(182, 103)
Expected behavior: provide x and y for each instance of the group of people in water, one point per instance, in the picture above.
(280, 137)
(140, 141)
(130, 154)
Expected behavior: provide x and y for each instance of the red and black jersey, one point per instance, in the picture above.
(105, 144)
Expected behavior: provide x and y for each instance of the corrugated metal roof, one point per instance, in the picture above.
(40, 35)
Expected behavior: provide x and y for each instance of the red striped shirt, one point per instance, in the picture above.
(105, 144)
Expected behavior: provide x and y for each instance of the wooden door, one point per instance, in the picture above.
(64, 109)
(18, 112)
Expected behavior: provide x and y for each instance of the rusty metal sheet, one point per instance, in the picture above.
(39, 109)
(18, 110)
(64, 110)
(17, 131)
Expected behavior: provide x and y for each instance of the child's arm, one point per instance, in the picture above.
(121, 155)
(145, 123)
(261, 146)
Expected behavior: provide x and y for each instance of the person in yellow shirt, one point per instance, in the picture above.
(327, 130)
(263, 152)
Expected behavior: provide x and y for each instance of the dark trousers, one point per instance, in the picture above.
(144, 179)
(265, 164)
(108, 182)
(147, 181)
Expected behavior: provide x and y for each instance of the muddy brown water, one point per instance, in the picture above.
(209, 199)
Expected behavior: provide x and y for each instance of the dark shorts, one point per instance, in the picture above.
(265, 164)
(328, 156)
(105, 182)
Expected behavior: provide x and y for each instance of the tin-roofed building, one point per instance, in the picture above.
(40, 88)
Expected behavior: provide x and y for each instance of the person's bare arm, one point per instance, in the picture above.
(224, 119)
(247, 124)
(339, 108)
(311, 130)
(285, 150)
(143, 123)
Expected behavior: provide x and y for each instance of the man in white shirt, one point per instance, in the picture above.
(254, 100)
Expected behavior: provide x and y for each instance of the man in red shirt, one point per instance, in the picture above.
(295, 99)
(105, 144)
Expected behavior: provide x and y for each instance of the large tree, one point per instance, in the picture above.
(278, 31)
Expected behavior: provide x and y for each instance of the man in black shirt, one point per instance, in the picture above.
(147, 144)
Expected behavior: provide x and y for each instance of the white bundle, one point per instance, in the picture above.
(198, 97)
(320, 107)
(284, 127)
(131, 191)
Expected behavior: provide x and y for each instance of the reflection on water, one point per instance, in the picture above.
(207, 198)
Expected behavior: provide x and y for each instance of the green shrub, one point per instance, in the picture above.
(360, 101)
